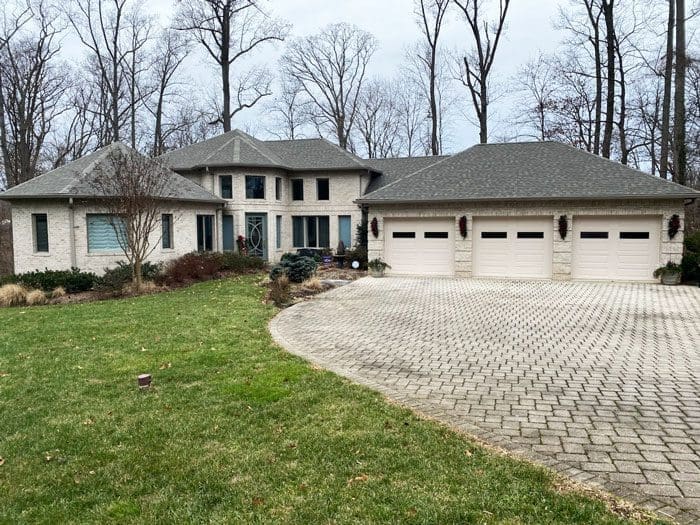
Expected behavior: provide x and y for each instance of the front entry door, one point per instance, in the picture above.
(256, 231)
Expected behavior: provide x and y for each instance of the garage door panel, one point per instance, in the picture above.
(617, 248)
(513, 247)
(419, 246)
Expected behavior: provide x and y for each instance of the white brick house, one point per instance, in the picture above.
(490, 211)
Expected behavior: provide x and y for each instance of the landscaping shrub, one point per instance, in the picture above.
(358, 254)
(235, 262)
(114, 279)
(298, 268)
(13, 295)
(193, 267)
(72, 280)
(279, 291)
(690, 264)
(57, 292)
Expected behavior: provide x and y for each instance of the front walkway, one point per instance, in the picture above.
(599, 381)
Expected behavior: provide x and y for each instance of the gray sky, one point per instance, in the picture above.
(392, 22)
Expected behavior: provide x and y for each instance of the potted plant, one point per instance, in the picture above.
(377, 267)
(669, 274)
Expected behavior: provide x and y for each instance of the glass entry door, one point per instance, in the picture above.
(256, 232)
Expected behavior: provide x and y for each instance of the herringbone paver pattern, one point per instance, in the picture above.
(599, 381)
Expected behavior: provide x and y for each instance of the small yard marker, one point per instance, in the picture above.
(144, 381)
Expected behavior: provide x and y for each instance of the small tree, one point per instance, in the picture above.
(133, 189)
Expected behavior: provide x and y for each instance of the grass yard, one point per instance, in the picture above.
(234, 430)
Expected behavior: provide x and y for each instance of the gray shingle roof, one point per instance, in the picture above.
(75, 179)
(393, 169)
(239, 148)
(526, 170)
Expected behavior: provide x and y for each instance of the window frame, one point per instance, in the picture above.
(247, 189)
(294, 182)
(321, 231)
(171, 236)
(328, 189)
(109, 251)
(278, 188)
(222, 178)
(278, 232)
(35, 232)
(206, 219)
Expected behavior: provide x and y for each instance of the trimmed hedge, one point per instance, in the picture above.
(207, 265)
(114, 279)
(72, 280)
(690, 264)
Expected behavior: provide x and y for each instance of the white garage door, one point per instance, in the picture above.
(621, 248)
(518, 247)
(420, 246)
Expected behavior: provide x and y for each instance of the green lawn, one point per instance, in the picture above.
(234, 430)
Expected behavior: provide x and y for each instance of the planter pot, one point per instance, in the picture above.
(376, 273)
(671, 278)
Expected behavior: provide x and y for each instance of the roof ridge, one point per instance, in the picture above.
(351, 156)
(247, 137)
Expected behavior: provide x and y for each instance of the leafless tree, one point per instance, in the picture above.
(289, 111)
(607, 7)
(668, 86)
(102, 28)
(378, 121)
(31, 88)
(431, 15)
(536, 84)
(138, 64)
(330, 67)
(412, 113)
(170, 53)
(230, 31)
(135, 189)
(680, 154)
(476, 65)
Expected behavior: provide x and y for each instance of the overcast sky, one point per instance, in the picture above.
(529, 29)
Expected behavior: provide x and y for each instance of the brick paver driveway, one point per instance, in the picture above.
(599, 381)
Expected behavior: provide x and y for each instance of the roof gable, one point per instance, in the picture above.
(76, 179)
(525, 170)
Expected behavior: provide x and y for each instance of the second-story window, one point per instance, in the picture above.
(322, 191)
(254, 187)
(226, 182)
(297, 189)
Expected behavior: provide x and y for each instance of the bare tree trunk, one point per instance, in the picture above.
(608, 15)
(680, 148)
(225, 70)
(666, 103)
(594, 39)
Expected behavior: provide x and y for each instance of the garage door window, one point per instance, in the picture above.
(494, 235)
(436, 235)
(634, 235)
(404, 235)
(594, 235)
(530, 235)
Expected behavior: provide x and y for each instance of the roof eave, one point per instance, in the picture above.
(269, 166)
(56, 196)
(531, 199)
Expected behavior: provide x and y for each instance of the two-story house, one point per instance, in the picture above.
(524, 210)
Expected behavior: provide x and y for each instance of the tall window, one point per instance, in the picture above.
(297, 189)
(311, 232)
(166, 221)
(226, 182)
(227, 233)
(105, 233)
(205, 233)
(345, 230)
(278, 231)
(322, 191)
(278, 188)
(254, 187)
(40, 224)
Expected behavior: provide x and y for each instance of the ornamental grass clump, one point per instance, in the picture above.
(13, 295)
(36, 298)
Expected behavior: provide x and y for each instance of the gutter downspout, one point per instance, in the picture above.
(71, 225)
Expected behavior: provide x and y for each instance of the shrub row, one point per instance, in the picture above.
(203, 266)
(72, 280)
